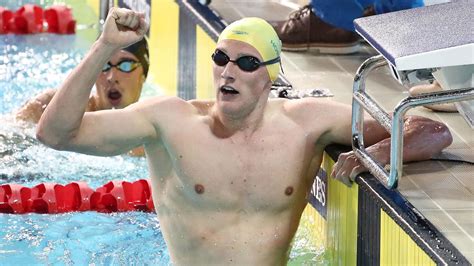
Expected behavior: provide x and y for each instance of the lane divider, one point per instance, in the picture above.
(114, 196)
(31, 19)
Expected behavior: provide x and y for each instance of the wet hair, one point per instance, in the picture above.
(140, 50)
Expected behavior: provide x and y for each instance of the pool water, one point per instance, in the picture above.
(30, 64)
(86, 238)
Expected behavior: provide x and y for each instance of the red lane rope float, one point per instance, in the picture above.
(115, 196)
(60, 20)
(5, 16)
(29, 19)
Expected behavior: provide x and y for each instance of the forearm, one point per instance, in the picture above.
(422, 139)
(62, 117)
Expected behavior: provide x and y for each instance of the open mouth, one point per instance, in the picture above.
(228, 90)
(114, 96)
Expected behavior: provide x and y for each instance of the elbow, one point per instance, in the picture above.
(445, 136)
(432, 136)
(439, 132)
(43, 137)
(48, 139)
(441, 138)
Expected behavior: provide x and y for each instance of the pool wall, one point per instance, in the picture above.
(368, 224)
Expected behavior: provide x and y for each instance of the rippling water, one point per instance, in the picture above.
(85, 238)
(23, 160)
(29, 64)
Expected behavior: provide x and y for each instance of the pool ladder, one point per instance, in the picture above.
(393, 125)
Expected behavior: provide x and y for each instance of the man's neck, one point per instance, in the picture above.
(238, 124)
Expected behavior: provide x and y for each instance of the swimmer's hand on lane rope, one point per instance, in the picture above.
(123, 27)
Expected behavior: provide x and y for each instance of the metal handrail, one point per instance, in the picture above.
(396, 143)
(393, 125)
(360, 98)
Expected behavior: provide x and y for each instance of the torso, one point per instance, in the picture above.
(217, 204)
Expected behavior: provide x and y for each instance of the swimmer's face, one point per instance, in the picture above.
(238, 90)
(118, 89)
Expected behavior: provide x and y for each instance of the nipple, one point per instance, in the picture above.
(199, 188)
(289, 191)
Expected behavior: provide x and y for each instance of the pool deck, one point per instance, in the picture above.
(442, 191)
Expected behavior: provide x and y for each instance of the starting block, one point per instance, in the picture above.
(420, 44)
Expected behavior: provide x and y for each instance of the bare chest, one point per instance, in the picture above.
(252, 174)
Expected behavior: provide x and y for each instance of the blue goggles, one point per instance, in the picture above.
(125, 66)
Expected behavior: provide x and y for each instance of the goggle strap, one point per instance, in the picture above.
(270, 62)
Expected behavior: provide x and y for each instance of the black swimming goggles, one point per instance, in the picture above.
(246, 63)
(126, 66)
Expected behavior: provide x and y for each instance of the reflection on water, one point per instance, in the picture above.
(86, 238)
(29, 64)
(308, 249)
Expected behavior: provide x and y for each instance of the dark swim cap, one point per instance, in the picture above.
(140, 50)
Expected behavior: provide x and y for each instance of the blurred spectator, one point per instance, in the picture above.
(327, 26)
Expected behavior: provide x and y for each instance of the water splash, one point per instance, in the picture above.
(23, 160)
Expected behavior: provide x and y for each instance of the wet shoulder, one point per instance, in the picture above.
(300, 110)
(164, 104)
(315, 115)
(202, 107)
(164, 108)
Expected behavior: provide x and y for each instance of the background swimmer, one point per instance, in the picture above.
(118, 85)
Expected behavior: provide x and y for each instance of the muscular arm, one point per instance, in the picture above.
(62, 119)
(329, 122)
(423, 137)
(65, 125)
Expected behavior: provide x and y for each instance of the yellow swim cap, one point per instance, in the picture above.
(259, 34)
